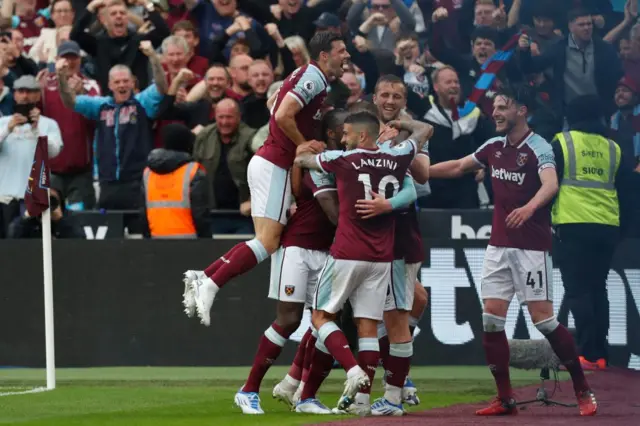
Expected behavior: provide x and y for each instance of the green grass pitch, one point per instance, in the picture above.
(185, 396)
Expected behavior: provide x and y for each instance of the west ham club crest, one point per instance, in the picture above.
(522, 159)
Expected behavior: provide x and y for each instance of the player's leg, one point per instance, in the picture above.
(497, 291)
(335, 284)
(368, 302)
(270, 188)
(534, 284)
(398, 304)
(288, 287)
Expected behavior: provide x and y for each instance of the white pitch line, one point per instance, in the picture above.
(35, 390)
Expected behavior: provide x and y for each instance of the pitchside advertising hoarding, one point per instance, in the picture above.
(455, 242)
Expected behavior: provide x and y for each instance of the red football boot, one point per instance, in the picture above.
(587, 403)
(499, 407)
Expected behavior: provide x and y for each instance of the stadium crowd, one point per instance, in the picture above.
(69, 67)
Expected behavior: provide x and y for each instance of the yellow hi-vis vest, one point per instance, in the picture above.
(169, 203)
(587, 192)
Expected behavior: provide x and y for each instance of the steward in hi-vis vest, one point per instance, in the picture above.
(586, 219)
(175, 189)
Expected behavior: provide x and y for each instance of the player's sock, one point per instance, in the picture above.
(269, 349)
(368, 358)
(321, 366)
(383, 343)
(242, 259)
(335, 341)
(308, 356)
(211, 269)
(496, 349)
(398, 367)
(295, 371)
(564, 346)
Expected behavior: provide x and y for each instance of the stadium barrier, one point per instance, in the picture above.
(118, 302)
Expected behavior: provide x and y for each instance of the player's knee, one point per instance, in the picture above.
(269, 240)
(547, 326)
(260, 251)
(420, 299)
(319, 318)
(493, 323)
(289, 319)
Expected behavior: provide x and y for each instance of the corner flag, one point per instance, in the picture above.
(36, 199)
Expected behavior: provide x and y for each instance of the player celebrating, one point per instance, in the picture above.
(294, 270)
(359, 266)
(293, 121)
(517, 259)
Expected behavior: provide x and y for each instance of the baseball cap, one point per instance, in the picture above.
(26, 82)
(327, 20)
(69, 48)
(630, 84)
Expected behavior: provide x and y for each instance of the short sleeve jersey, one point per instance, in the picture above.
(515, 180)
(309, 227)
(308, 86)
(357, 173)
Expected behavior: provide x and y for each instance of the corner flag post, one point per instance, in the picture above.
(48, 299)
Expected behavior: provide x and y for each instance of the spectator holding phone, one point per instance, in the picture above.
(18, 138)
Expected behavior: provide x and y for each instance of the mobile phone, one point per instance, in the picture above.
(24, 109)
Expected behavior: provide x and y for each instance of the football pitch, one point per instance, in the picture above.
(158, 396)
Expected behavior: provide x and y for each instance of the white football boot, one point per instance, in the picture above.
(312, 406)
(248, 402)
(188, 298)
(383, 407)
(204, 291)
(282, 392)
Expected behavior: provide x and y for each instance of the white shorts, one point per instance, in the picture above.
(364, 284)
(402, 288)
(270, 188)
(294, 274)
(526, 273)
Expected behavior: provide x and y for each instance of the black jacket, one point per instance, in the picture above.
(109, 51)
(163, 161)
(608, 71)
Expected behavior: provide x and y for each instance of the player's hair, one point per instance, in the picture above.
(185, 26)
(577, 13)
(390, 79)
(332, 120)
(322, 41)
(366, 119)
(364, 106)
(520, 93)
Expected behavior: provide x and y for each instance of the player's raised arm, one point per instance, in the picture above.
(454, 168)
(420, 132)
(306, 155)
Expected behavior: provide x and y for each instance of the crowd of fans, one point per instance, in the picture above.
(103, 78)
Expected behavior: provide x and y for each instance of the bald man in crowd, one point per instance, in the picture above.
(239, 70)
(224, 148)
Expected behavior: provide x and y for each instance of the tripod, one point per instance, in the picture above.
(541, 396)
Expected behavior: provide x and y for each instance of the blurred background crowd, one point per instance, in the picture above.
(211, 65)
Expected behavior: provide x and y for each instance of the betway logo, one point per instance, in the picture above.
(460, 231)
(503, 174)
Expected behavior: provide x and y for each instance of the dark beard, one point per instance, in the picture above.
(245, 86)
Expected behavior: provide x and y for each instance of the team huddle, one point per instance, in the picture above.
(354, 238)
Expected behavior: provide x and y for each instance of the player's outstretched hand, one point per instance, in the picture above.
(518, 217)
(377, 206)
(312, 147)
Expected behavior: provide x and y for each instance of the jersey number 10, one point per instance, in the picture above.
(365, 178)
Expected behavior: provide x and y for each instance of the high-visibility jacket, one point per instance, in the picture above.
(168, 202)
(587, 192)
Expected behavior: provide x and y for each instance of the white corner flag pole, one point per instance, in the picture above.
(48, 299)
